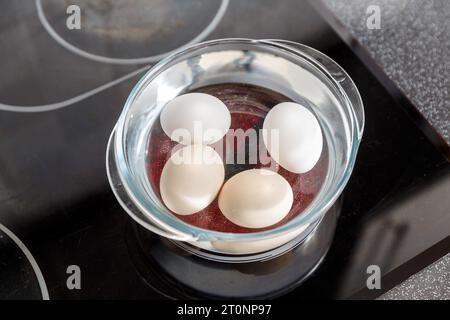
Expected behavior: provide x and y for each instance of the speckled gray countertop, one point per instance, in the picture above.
(412, 47)
(432, 282)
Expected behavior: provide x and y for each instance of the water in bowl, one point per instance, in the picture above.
(248, 105)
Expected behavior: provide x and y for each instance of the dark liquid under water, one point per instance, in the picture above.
(248, 106)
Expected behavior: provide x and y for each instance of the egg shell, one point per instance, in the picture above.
(191, 179)
(256, 198)
(195, 118)
(296, 140)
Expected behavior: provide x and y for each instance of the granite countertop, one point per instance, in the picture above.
(432, 282)
(411, 47)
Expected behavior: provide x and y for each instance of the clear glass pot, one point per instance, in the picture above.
(294, 70)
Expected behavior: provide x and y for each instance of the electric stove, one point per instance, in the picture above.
(57, 109)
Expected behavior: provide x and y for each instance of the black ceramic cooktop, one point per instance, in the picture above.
(57, 109)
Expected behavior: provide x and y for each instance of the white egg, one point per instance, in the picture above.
(293, 137)
(195, 118)
(191, 179)
(256, 198)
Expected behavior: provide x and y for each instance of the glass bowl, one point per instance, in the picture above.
(294, 70)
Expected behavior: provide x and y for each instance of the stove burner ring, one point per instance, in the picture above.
(144, 60)
(31, 260)
(65, 103)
